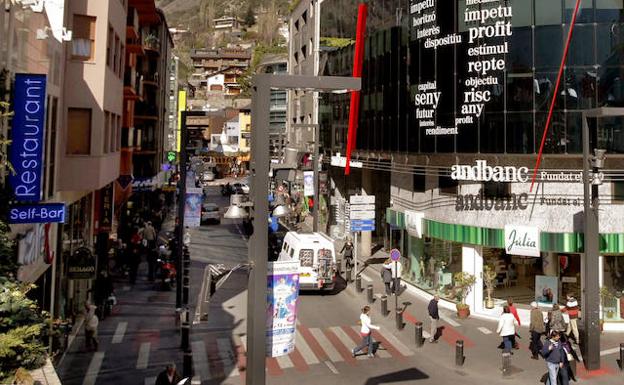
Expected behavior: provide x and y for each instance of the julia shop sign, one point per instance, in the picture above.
(522, 240)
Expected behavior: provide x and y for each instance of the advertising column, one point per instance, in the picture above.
(282, 296)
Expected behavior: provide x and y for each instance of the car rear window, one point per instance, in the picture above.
(306, 257)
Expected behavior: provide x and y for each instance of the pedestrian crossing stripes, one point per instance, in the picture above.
(120, 331)
(221, 357)
(484, 330)
(93, 369)
(449, 320)
(143, 357)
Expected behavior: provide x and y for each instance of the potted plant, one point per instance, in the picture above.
(463, 283)
(489, 279)
(151, 41)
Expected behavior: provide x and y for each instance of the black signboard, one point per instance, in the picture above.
(81, 264)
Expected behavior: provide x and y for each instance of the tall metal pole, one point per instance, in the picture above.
(317, 192)
(258, 243)
(181, 201)
(591, 306)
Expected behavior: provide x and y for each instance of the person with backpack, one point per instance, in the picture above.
(365, 331)
(554, 354)
(556, 321)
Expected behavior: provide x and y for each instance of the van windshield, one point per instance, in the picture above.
(306, 257)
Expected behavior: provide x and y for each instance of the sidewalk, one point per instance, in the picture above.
(479, 336)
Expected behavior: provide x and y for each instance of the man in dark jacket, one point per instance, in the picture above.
(434, 316)
(169, 376)
(555, 357)
(536, 327)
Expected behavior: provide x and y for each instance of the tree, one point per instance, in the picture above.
(250, 17)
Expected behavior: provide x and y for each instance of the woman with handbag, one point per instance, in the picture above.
(365, 332)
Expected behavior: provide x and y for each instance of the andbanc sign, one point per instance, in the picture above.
(27, 144)
(481, 172)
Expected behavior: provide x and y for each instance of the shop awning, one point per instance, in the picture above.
(395, 218)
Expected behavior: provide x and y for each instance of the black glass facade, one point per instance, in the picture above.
(399, 65)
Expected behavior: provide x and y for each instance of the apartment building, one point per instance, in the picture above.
(217, 71)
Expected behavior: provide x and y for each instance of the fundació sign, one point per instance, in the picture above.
(27, 144)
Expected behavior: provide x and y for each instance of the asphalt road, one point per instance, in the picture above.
(142, 337)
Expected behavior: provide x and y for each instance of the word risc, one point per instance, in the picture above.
(474, 101)
(428, 98)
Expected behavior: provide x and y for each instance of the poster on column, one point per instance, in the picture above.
(192, 207)
(281, 315)
(546, 289)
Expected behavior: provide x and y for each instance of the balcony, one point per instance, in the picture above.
(132, 24)
(132, 84)
(151, 79)
(145, 112)
(151, 43)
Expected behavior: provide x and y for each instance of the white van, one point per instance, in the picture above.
(317, 259)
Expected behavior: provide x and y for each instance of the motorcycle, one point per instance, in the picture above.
(226, 190)
(166, 269)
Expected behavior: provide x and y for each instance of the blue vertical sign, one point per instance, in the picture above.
(27, 144)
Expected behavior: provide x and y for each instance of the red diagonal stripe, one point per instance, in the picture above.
(298, 361)
(344, 351)
(451, 335)
(409, 317)
(313, 343)
(554, 99)
(273, 367)
(388, 346)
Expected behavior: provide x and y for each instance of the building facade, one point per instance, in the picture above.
(217, 71)
(453, 108)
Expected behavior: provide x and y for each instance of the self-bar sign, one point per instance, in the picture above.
(37, 213)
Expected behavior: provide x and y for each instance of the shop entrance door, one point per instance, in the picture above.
(569, 277)
(395, 237)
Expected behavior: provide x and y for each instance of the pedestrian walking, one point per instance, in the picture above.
(91, 322)
(556, 321)
(396, 268)
(434, 316)
(514, 311)
(366, 333)
(506, 328)
(347, 252)
(149, 238)
(554, 354)
(169, 376)
(536, 328)
(574, 312)
(566, 373)
(386, 276)
(102, 291)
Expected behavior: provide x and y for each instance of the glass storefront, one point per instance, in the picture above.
(612, 291)
(431, 265)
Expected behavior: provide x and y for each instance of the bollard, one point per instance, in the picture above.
(358, 283)
(369, 293)
(506, 364)
(418, 332)
(459, 352)
(187, 363)
(339, 266)
(621, 363)
(384, 305)
(399, 319)
(185, 329)
(348, 274)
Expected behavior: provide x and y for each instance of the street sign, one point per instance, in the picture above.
(363, 207)
(361, 214)
(363, 222)
(362, 228)
(362, 199)
(395, 255)
(171, 156)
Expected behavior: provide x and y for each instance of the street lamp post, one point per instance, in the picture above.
(591, 241)
(258, 243)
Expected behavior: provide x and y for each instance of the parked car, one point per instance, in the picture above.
(207, 176)
(210, 212)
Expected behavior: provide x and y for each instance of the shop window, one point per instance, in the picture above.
(433, 269)
(79, 131)
(83, 38)
(515, 275)
(520, 137)
(548, 12)
(609, 11)
(612, 288)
